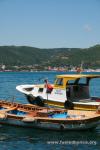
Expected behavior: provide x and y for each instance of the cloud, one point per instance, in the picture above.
(87, 28)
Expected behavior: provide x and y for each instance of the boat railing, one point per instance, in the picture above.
(21, 106)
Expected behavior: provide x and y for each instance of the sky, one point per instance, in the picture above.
(50, 23)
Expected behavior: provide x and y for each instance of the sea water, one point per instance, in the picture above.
(18, 138)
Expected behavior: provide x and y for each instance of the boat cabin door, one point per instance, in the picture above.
(77, 90)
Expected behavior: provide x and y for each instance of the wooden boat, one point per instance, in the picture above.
(69, 91)
(32, 116)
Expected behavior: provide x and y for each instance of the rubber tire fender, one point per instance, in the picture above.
(68, 105)
(31, 99)
(39, 101)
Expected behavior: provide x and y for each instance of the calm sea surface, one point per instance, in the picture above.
(17, 138)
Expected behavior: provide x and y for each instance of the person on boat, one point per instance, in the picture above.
(48, 85)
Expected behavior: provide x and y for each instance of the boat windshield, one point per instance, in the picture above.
(59, 81)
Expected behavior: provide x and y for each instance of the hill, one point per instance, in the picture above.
(24, 55)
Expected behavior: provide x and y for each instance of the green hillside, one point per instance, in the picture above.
(23, 55)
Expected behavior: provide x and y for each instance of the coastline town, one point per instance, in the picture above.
(36, 67)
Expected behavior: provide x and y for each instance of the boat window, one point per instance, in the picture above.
(59, 81)
(78, 81)
(40, 90)
(28, 89)
(82, 81)
(71, 82)
(94, 87)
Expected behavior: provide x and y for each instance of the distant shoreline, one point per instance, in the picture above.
(94, 71)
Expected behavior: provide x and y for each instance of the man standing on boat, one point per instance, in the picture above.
(48, 86)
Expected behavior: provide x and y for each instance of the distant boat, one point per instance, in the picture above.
(33, 116)
(69, 91)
